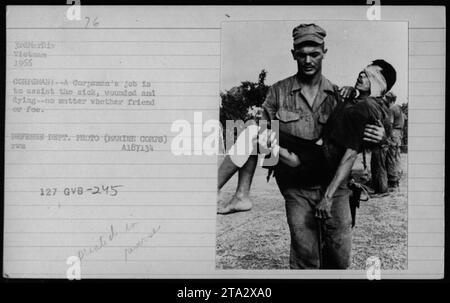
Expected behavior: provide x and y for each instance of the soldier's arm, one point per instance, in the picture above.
(289, 158)
(285, 156)
(270, 105)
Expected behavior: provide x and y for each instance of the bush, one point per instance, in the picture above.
(243, 102)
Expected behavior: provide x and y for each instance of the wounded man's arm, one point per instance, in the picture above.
(323, 209)
(342, 172)
(289, 158)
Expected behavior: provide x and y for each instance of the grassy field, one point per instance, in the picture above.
(259, 238)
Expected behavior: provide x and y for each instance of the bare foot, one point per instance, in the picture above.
(236, 204)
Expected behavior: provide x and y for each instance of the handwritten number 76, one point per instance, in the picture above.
(91, 22)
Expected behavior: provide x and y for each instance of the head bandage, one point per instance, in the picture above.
(378, 84)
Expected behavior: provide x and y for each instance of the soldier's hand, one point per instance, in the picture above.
(267, 141)
(323, 209)
(272, 138)
(263, 142)
(374, 133)
(347, 92)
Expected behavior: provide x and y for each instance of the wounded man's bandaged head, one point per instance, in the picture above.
(382, 77)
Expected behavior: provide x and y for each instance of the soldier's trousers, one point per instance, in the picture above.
(336, 232)
(393, 157)
(378, 169)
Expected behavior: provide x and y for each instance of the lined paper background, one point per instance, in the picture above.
(178, 50)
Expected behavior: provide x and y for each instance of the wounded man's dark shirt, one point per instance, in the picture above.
(313, 168)
(345, 127)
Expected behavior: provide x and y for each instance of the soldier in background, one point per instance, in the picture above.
(393, 157)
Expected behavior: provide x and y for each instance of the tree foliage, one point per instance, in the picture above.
(242, 103)
(238, 102)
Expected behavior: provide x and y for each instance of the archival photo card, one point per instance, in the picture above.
(337, 196)
(224, 142)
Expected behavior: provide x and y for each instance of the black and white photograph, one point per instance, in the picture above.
(334, 96)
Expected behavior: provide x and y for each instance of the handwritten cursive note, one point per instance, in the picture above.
(130, 250)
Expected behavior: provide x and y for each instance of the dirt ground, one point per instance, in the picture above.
(259, 238)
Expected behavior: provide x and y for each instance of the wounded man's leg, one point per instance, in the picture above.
(226, 170)
(238, 154)
(241, 199)
(240, 157)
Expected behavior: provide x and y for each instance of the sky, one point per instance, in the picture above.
(249, 47)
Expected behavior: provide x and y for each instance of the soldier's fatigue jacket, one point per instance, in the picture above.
(285, 102)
